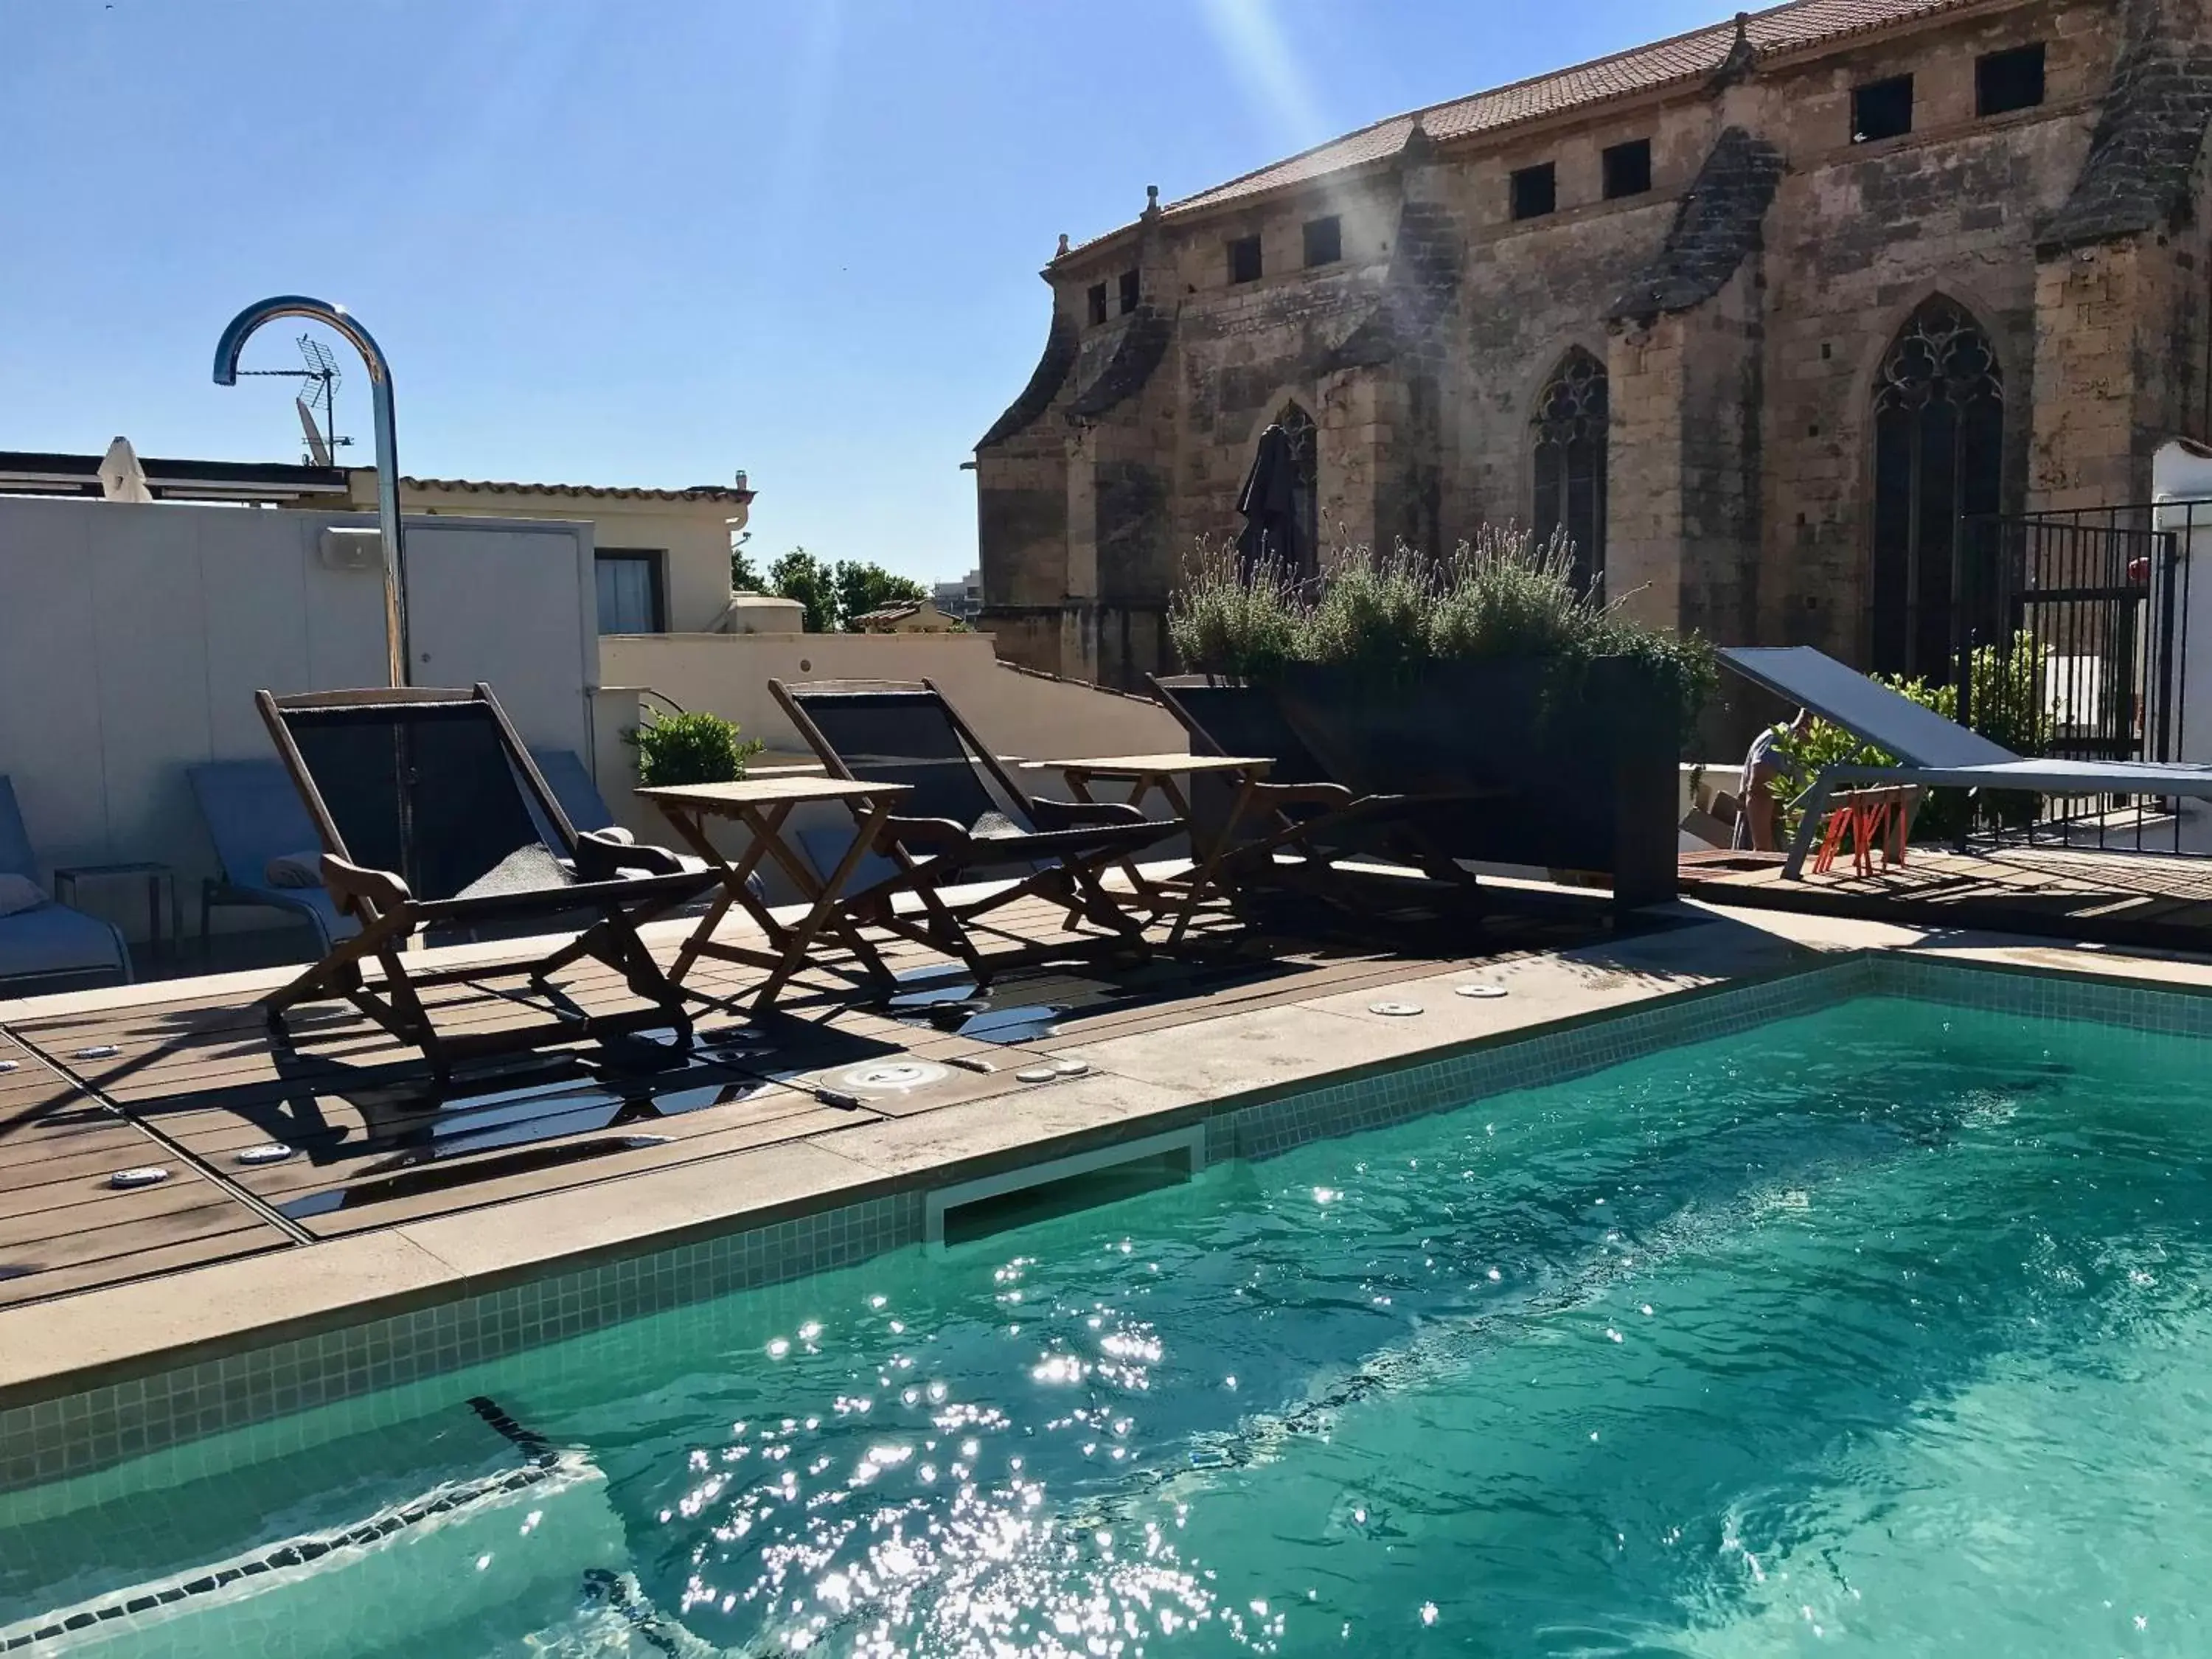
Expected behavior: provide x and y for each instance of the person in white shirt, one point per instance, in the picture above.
(1754, 813)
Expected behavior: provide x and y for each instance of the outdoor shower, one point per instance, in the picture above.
(242, 328)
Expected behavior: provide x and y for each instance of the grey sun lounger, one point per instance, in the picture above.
(49, 946)
(1930, 750)
(253, 815)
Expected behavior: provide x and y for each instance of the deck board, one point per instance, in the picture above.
(64, 1227)
(2075, 893)
(196, 1079)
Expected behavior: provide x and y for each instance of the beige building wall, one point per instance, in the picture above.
(1020, 714)
(691, 528)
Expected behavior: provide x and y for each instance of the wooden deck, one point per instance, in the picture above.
(2143, 899)
(63, 1225)
(188, 1080)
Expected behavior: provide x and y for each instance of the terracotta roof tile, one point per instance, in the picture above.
(601, 492)
(1687, 57)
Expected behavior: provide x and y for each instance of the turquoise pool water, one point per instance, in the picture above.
(1884, 1330)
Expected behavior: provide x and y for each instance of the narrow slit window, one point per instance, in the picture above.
(1535, 190)
(1324, 240)
(1882, 109)
(1244, 259)
(1097, 298)
(1627, 169)
(1130, 292)
(2010, 80)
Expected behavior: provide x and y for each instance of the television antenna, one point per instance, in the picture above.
(319, 382)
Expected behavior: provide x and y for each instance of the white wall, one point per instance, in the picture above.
(132, 639)
(1028, 716)
(1017, 714)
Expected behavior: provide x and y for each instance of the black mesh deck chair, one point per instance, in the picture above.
(1241, 824)
(436, 824)
(966, 822)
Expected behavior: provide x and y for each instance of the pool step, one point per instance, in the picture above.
(523, 1543)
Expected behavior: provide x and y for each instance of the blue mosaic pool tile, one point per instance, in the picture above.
(2135, 1005)
(1374, 1102)
(54, 1440)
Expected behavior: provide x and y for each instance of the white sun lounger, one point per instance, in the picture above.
(1930, 750)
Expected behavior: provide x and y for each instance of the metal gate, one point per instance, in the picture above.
(2071, 639)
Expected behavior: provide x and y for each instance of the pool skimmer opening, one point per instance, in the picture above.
(976, 1209)
(1481, 991)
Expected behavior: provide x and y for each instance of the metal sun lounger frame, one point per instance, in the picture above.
(1073, 843)
(1931, 750)
(391, 916)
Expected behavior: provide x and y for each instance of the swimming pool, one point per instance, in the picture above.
(1878, 1328)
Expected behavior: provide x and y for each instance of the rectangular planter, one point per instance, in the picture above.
(1587, 755)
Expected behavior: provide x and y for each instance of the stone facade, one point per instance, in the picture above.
(1745, 308)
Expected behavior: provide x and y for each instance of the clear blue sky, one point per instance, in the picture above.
(653, 242)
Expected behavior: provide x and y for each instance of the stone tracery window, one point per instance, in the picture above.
(1938, 437)
(1570, 427)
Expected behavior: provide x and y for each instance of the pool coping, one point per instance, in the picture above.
(89, 1381)
(393, 1270)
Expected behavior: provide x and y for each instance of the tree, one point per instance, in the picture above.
(862, 587)
(799, 575)
(745, 575)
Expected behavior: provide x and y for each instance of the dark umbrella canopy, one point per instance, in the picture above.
(1270, 535)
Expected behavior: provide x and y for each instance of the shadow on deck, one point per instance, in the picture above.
(163, 1127)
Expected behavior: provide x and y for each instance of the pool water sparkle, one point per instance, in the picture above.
(1880, 1330)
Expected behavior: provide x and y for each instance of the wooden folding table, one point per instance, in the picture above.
(763, 805)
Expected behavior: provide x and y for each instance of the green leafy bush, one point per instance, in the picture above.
(2009, 705)
(799, 575)
(690, 748)
(1499, 596)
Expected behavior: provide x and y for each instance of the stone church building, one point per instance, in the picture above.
(1756, 312)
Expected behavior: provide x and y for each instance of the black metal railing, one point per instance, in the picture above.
(2070, 634)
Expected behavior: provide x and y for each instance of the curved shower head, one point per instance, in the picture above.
(227, 350)
(249, 322)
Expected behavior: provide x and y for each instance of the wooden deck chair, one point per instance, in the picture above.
(435, 822)
(966, 821)
(1297, 807)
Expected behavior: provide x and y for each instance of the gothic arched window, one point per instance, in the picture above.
(1938, 446)
(1570, 426)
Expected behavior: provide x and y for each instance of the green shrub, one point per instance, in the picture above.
(2008, 706)
(690, 748)
(1498, 597)
(1222, 621)
(1502, 596)
(1372, 614)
